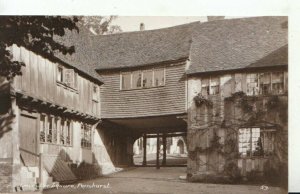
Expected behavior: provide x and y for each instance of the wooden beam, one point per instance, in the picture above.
(167, 135)
(164, 161)
(157, 152)
(144, 150)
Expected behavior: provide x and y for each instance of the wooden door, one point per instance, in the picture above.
(28, 140)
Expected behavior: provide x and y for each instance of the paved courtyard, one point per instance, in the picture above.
(142, 180)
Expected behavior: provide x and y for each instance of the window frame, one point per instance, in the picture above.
(271, 90)
(142, 72)
(62, 83)
(87, 143)
(262, 131)
(209, 85)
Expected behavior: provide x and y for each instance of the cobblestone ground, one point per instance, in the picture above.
(142, 180)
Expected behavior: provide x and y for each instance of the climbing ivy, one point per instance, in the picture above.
(201, 100)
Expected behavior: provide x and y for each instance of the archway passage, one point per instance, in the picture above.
(167, 154)
(152, 139)
(180, 146)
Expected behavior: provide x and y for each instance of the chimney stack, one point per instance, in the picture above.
(142, 27)
(213, 18)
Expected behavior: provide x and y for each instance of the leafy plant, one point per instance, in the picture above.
(201, 100)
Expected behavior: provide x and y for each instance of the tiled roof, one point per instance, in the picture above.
(129, 49)
(212, 46)
(239, 43)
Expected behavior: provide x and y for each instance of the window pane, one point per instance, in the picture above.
(252, 84)
(277, 82)
(95, 92)
(42, 129)
(136, 79)
(245, 142)
(205, 87)
(215, 84)
(147, 78)
(68, 135)
(62, 134)
(126, 79)
(265, 83)
(55, 130)
(59, 74)
(159, 77)
(257, 149)
(49, 134)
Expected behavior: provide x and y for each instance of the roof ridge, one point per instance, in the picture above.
(146, 31)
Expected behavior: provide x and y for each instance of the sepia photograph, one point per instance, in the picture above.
(143, 104)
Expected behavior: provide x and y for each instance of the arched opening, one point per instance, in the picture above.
(180, 146)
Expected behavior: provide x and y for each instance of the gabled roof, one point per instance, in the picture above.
(131, 49)
(229, 44)
(239, 43)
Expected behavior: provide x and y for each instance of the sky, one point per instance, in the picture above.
(132, 23)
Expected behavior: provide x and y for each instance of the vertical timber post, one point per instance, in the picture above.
(164, 150)
(157, 152)
(144, 150)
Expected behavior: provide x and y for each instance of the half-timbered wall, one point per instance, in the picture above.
(153, 101)
(39, 80)
(205, 122)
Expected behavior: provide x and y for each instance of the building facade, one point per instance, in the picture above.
(223, 83)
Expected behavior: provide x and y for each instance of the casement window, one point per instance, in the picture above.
(265, 83)
(68, 133)
(136, 80)
(252, 84)
(205, 91)
(142, 79)
(43, 128)
(62, 132)
(214, 85)
(50, 129)
(277, 82)
(95, 101)
(147, 78)
(126, 81)
(55, 128)
(256, 142)
(60, 74)
(210, 86)
(67, 76)
(86, 136)
(95, 92)
(159, 77)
